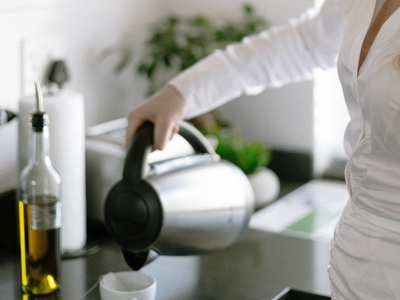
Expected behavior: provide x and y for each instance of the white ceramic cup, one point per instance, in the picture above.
(128, 285)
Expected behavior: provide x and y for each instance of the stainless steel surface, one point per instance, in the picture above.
(258, 267)
(206, 207)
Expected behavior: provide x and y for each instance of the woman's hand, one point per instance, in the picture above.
(165, 109)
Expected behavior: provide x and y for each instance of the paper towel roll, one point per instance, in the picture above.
(67, 153)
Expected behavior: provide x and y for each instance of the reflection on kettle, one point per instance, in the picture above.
(183, 206)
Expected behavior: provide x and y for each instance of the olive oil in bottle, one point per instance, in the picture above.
(39, 211)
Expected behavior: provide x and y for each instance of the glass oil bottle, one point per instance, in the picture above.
(39, 211)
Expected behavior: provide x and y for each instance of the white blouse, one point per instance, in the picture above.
(290, 53)
(372, 139)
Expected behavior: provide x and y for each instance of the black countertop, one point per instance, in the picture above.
(259, 266)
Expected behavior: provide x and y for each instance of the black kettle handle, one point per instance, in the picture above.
(140, 147)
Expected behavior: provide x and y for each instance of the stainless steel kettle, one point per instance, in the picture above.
(183, 206)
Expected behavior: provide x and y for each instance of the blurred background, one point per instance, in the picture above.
(295, 118)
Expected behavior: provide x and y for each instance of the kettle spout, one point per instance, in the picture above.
(138, 259)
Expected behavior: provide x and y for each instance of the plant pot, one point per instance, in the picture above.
(266, 186)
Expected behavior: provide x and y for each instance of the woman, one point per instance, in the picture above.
(366, 245)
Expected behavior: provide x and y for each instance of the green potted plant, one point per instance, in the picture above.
(177, 42)
(252, 157)
(248, 156)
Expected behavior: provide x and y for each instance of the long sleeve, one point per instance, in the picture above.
(272, 58)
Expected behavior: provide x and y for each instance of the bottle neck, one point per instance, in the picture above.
(39, 146)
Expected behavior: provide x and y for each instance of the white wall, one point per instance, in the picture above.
(281, 117)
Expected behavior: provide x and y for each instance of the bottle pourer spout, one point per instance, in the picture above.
(39, 118)
(39, 97)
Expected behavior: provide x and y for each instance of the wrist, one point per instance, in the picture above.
(175, 96)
